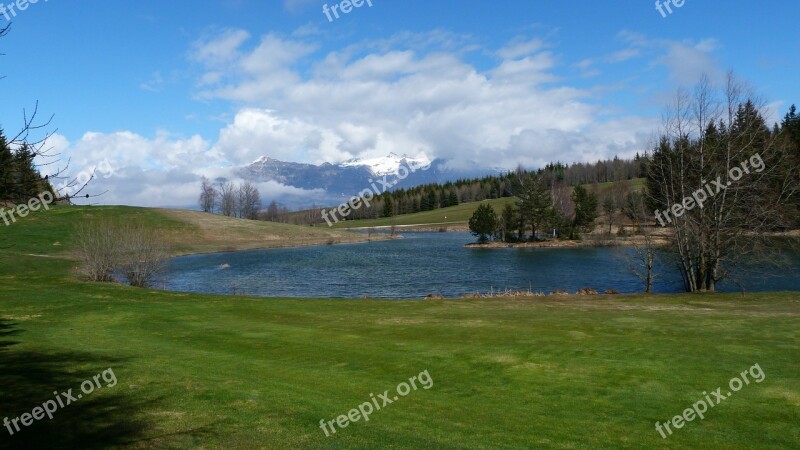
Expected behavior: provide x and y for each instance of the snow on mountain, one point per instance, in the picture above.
(342, 181)
(387, 165)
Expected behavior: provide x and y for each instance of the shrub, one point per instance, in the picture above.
(104, 246)
(98, 250)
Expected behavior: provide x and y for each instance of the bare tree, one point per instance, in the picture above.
(98, 250)
(609, 208)
(227, 199)
(249, 201)
(716, 180)
(272, 214)
(144, 254)
(643, 256)
(208, 195)
(104, 246)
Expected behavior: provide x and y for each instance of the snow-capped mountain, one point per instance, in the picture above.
(388, 165)
(344, 180)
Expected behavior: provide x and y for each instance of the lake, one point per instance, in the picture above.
(431, 263)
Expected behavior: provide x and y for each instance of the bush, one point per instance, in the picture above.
(98, 250)
(105, 246)
(144, 254)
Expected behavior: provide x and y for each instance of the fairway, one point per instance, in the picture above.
(233, 372)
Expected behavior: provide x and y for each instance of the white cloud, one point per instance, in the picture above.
(218, 49)
(685, 60)
(367, 100)
(411, 93)
(521, 48)
(688, 61)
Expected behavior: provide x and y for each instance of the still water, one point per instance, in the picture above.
(427, 263)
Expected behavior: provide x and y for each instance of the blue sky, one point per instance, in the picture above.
(169, 91)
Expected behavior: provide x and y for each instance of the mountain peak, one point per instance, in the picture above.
(387, 165)
(262, 160)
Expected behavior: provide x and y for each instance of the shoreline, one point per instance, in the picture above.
(585, 243)
(280, 246)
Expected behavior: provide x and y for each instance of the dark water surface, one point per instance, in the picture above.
(426, 263)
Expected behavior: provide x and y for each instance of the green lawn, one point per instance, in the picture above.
(231, 372)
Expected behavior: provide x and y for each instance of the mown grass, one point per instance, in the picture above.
(199, 371)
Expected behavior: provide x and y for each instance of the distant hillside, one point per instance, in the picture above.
(461, 213)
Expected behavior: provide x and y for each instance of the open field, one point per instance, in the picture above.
(232, 372)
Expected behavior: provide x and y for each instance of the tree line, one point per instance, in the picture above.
(434, 196)
(226, 198)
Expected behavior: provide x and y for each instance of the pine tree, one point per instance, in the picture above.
(509, 221)
(6, 170)
(388, 206)
(27, 179)
(791, 126)
(452, 199)
(535, 203)
(432, 202)
(585, 211)
(483, 222)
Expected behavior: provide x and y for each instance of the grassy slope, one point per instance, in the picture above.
(460, 214)
(212, 372)
(187, 231)
(450, 215)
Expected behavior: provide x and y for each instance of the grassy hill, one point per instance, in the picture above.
(48, 232)
(460, 214)
(198, 371)
(449, 215)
